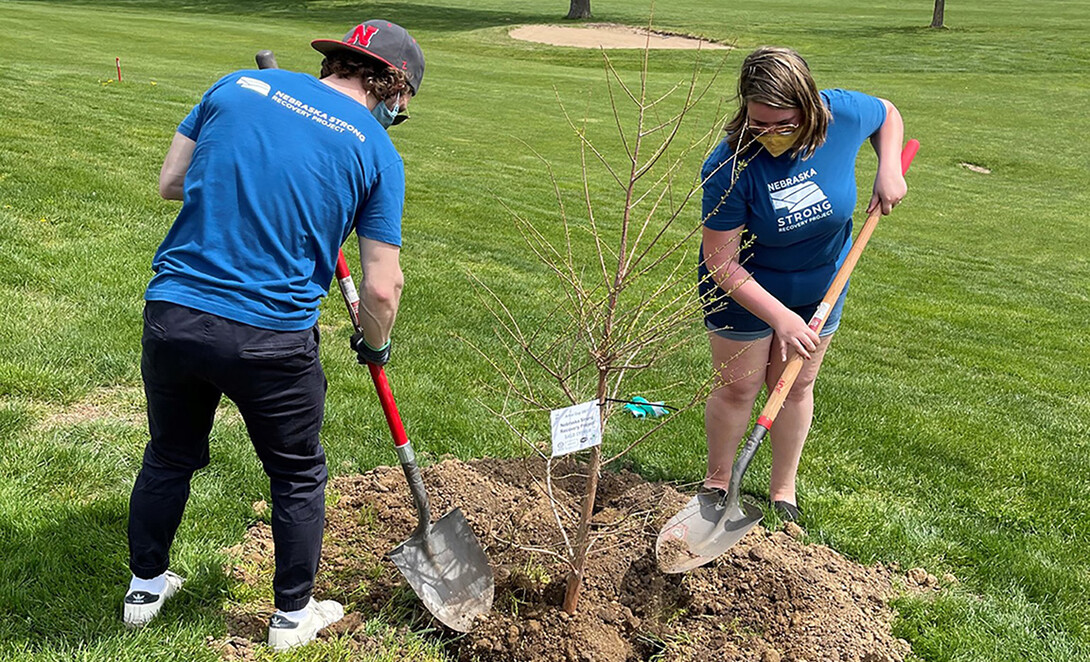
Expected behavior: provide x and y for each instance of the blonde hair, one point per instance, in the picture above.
(780, 78)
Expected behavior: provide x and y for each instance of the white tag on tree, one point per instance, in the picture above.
(575, 428)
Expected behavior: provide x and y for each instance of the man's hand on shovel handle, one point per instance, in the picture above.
(367, 354)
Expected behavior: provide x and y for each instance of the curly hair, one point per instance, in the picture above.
(780, 78)
(378, 78)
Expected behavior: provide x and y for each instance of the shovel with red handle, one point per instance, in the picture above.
(711, 524)
(442, 561)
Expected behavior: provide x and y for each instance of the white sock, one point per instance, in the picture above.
(296, 616)
(154, 585)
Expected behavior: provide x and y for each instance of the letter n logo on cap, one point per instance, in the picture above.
(361, 36)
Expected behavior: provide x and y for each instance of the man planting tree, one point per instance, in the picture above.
(275, 169)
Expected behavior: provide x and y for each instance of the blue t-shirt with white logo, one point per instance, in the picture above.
(799, 211)
(284, 168)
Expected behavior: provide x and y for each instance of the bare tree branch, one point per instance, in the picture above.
(582, 136)
(634, 307)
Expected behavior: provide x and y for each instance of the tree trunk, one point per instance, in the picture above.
(582, 535)
(936, 18)
(579, 9)
(575, 579)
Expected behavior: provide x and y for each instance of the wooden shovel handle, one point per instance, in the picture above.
(817, 322)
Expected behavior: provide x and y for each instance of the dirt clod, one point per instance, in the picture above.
(769, 598)
(759, 553)
(674, 553)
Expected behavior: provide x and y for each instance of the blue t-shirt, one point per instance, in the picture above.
(798, 211)
(284, 168)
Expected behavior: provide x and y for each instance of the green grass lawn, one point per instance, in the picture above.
(953, 411)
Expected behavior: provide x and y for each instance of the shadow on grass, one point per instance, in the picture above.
(62, 582)
(413, 15)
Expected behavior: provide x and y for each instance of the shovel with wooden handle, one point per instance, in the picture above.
(710, 523)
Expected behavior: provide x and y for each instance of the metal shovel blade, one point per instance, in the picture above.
(447, 568)
(705, 528)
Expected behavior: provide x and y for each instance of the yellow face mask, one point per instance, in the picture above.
(778, 143)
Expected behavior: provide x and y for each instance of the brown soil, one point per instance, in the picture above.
(770, 598)
(609, 35)
(674, 553)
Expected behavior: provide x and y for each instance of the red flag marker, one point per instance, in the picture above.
(117, 60)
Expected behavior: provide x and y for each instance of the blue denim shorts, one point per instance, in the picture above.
(734, 322)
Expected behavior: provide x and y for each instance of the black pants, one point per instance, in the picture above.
(190, 359)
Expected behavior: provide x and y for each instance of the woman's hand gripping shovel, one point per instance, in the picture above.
(443, 562)
(711, 524)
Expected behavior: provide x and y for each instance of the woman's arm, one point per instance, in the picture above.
(721, 249)
(889, 183)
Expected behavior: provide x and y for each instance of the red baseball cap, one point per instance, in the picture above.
(387, 42)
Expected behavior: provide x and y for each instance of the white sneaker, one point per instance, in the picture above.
(285, 633)
(141, 606)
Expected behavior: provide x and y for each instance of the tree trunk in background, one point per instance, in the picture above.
(579, 9)
(936, 18)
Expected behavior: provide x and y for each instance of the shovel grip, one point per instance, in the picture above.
(753, 442)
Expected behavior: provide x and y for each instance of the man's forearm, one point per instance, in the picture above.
(377, 315)
(175, 165)
(173, 191)
(381, 290)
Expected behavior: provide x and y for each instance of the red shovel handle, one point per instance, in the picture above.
(389, 407)
(378, 374)
(909, 153)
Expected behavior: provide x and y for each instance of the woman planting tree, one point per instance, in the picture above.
(779, 192)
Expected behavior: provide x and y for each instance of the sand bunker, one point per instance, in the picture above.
(608, 35)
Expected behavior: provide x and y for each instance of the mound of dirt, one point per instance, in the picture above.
(770, 598)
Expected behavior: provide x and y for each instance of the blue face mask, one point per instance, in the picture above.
(384, 114)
